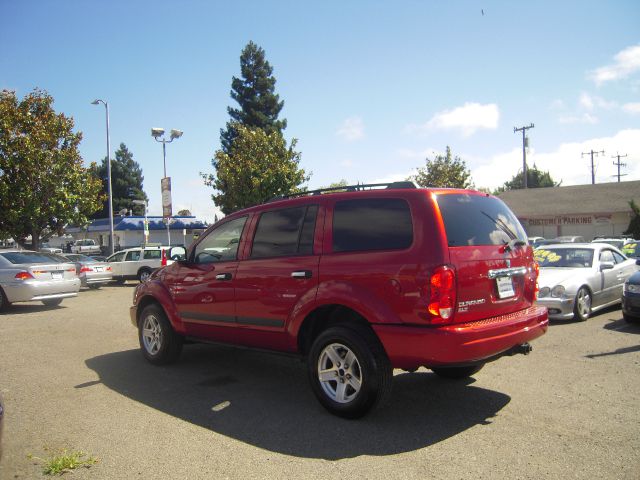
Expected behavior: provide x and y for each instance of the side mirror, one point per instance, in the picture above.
(177, 253)
(606, 266)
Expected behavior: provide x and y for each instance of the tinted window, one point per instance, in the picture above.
(31, 257)
(478, 220)
(152, 254)
(221, 244)
(285, 232)
(372, 224)
(133, 256)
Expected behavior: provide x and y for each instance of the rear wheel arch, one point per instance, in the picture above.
(325, 317)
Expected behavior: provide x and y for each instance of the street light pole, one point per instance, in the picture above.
(111, 236)
(158, 135)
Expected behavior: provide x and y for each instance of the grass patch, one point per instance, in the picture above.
(63, 461)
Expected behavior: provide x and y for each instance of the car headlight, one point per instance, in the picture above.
(557, 291)
(544, 292)
(631, 288)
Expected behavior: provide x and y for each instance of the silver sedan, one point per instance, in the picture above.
(27, 276)
(91, 272)
(580, 278)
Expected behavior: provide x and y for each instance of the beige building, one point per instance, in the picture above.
(586, 210)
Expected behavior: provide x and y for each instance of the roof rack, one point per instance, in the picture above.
(347, 188)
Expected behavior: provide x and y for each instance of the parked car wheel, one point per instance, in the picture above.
(349, 371)
(54, 302)
(144, 274)
(4, 303)
(119, 281)
(457, 372)
(94, 286)
(582, 308)
(630, 319)
(159, 343)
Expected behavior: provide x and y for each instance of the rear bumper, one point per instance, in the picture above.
(32, 290)
(96, 279)
(411, 347)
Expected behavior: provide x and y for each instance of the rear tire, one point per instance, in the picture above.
(582, 307)
(159, 343)
(119, 281)
(53, 302)
(94, 286)
(4, 303)
(457, 373)
(349, 371)
(144, 274)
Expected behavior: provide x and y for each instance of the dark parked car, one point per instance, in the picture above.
(358, 282)
(631, 298)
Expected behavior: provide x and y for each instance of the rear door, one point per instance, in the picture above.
(489, 250)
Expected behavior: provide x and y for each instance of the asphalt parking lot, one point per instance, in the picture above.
(72, 377)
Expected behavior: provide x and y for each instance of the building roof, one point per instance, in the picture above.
(137, 223)
(601, 198)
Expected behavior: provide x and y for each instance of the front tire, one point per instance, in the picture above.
(94, 286)
(159, 343)
(144, 274)
(457, 373)
(349, 371)
(582, 306)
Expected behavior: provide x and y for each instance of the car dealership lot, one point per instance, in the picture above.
(72, 377)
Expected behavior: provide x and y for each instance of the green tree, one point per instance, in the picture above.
(255, 94)
(184, 213)
(126, 183)
(535, 179)
(444, 171)
(634, 224)
(43, 183)
(258, 167)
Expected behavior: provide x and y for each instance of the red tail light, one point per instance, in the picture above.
(23, 276)
(442, 301)
(164, 258)
(86, 269)
(108, 269)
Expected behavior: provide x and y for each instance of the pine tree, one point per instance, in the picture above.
(255, 94)
(126, 183)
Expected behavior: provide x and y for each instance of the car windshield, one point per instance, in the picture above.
(632, 249)
(564, 257)
(18, 258)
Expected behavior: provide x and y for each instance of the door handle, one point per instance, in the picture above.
(223, 276)
(302, 274)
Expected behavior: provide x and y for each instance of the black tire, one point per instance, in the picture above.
(370, 371)
(54, 302)
(159, 343)
(143, 274)
(627, 318)
(457, 373)
(119, 281)
(94, 286)
(4, 303)
(582, 305)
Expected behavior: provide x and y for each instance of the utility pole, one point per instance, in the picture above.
(524, 152)
(593, 168)
(619, 164)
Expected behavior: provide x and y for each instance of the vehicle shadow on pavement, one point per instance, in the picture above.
(26, 308)
(622, 325)
(265, 400)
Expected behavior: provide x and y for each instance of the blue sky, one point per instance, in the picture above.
(371, 88)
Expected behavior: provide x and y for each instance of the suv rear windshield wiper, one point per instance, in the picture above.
(514, 241)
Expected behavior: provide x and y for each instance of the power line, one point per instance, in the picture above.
(524, 152)
(593, 168)
(619, 164)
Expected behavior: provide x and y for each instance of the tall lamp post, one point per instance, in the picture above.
(158, 134)
(111, 236)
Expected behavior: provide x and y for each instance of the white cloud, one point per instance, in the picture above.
(468, 119)
(352, 129)
(566, 163)
(626, 62)
(633, 108)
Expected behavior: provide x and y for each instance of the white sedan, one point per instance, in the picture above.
(580, 278)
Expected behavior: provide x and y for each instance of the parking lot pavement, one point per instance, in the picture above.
(72, 377)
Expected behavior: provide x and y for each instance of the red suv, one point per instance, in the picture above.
(359, 281)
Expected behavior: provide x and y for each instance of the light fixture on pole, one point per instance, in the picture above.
(111, 236)
(158, 135)
(145, 230)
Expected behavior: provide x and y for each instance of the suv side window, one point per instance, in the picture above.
(372, 224)
(606, 256)
(133, 256)
(152, 254)
(221, 245)
(285, 232)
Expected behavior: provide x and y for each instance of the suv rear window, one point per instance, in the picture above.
(478, 220)
(372, 224)
(285, 232)
(152, 254)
